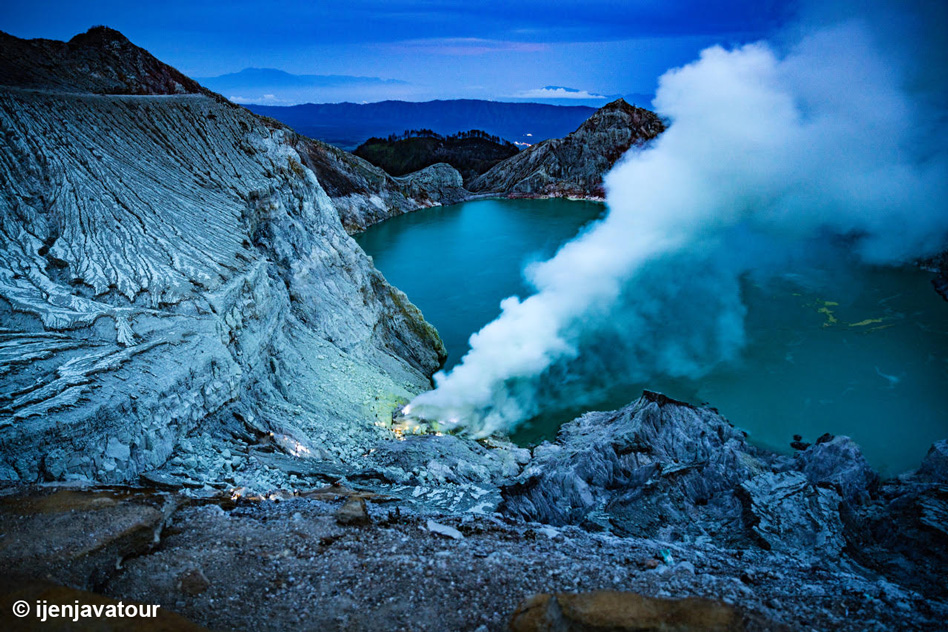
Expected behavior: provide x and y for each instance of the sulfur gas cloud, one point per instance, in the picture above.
(828, 143)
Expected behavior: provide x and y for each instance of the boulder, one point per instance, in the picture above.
(839, 463)
(353, 512)
(790, 515)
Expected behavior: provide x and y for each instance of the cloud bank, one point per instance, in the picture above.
(557, 92)
(833, 143)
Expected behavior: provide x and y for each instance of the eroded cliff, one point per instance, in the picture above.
(170, 269)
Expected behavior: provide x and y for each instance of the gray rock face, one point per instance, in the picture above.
(656, 468)
(573, 166)
(168, 267)
(365, 195)
(840, 464)
(790, 515)
(669, 471)
(439, 184)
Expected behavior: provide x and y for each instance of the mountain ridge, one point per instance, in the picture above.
(347, 124)
(99, 61)
(573, 166)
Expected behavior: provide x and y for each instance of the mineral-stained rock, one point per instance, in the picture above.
(615, 611)
(76, 535)
(353, 512)
(573, 166)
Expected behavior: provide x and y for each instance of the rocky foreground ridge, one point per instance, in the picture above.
(659, 500)
(199, 368)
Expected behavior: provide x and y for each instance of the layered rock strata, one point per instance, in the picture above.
(170, 274)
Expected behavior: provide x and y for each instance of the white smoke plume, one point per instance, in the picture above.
(835, 140)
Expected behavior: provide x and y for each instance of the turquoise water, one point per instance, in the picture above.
(861, 351)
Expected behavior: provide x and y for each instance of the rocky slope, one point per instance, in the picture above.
(670, 471)
(100, 61)
(573, 166)
(172, 275)
(364, 194)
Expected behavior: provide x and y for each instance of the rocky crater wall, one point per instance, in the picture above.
(166, 261)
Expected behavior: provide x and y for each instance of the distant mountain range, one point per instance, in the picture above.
(347, 125)
(277, 87)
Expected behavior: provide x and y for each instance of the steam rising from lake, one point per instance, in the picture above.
(833, 145)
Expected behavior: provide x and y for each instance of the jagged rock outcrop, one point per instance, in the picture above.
(670, 471)
(575, 165)
(837, 463)
(438, 184)
(365, 195)
(656, 468)
(172, 275)
(788, 514)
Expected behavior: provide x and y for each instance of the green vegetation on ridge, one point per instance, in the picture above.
(471, 153)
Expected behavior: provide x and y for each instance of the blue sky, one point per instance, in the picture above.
(433, 48)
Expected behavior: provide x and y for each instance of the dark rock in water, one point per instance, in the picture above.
(799, 445)
(939, 265)
(797, 437)
(823, 438)
(623, 612)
